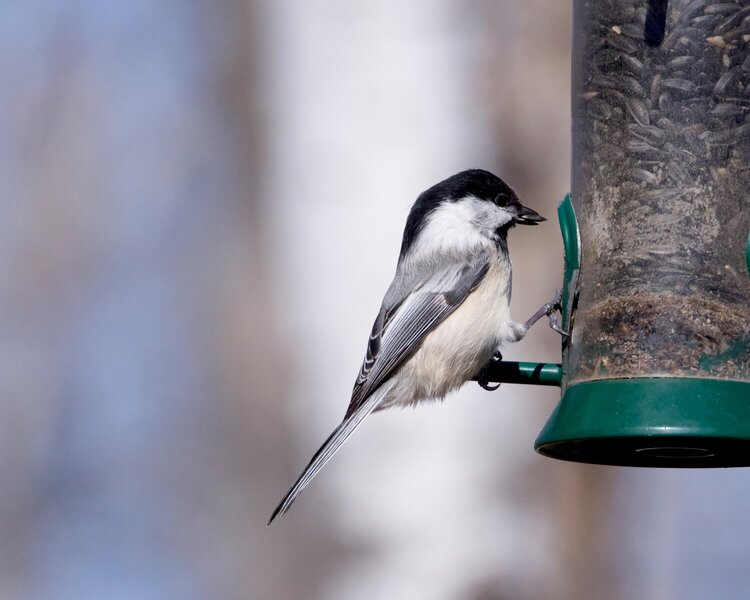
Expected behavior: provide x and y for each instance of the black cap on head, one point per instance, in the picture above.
(475, 182)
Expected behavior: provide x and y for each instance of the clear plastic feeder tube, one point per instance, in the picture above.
(661, 188)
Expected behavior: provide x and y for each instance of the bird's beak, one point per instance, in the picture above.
(526, 216)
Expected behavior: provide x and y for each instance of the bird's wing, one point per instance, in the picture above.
(398, 330)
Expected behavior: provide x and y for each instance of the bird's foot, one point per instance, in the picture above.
(482, 377)
(549, 311)
(553, 306)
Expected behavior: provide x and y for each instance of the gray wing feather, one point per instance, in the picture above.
(398, 331)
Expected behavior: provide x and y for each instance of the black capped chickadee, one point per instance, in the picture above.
(446, 313)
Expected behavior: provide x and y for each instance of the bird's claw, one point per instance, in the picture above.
(555, 325)
(482, 378)
(485, 385)
(551, 308)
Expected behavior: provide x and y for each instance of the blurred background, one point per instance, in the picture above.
(202, 206)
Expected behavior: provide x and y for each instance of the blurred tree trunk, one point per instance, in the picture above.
(143, 420)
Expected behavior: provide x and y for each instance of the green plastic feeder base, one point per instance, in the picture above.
(651, 422)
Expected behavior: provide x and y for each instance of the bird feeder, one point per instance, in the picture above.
(656, 295)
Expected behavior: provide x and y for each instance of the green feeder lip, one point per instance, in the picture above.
(651, 422)
(572, 247)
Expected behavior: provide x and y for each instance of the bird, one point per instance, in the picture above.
(446, 314)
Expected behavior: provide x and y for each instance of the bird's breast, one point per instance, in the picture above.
(457, 348)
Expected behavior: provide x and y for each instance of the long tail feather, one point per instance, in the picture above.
(327, 450)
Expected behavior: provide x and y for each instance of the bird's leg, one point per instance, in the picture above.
(482, 376)
(549, 311)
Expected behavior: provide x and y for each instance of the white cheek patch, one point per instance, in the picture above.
(451, 227)
(462, 226)
(484, 215)
(502, 216)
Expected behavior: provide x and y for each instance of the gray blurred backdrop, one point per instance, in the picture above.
(202, 204)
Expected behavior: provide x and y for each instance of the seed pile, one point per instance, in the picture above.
(662, 334)
(661, 177)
